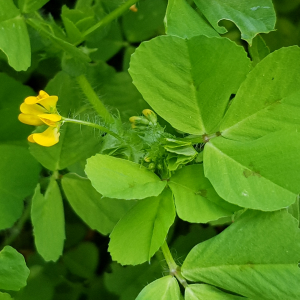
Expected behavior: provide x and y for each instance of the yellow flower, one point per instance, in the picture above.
(41, 110)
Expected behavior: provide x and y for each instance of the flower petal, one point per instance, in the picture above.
(34, 109)
(50, 119)
(42, 94)
(47, 138)
(30, 119)
(49, 103)
(30, 139)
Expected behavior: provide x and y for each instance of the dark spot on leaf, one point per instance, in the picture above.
(247, 173)
(202, 193)
(273, 78)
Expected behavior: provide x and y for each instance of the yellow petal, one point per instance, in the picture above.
(30, 139)
(47, 138)
(30, 119)
(42, 94)
(50, 119)
(48, 102)
(34, 109)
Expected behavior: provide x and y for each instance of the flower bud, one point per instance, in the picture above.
(147, 159)
(150, 115)
(151, 166)
(138, 120)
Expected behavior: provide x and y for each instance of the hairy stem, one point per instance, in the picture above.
(173, 267)
(112, 16)
(102, 128)
(94, 99)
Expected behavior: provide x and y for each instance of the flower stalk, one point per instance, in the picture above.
(173, 267)
(112, 16)
(94, 99)
(41, 110)
(102, 128)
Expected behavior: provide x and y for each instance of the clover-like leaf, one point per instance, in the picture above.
(189, 82)
(268, 100)
(257, 257)
(122, 179)
(251, 16)
(261, 174)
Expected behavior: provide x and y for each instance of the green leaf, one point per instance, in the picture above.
(257, 257)
(184, 87)
(261, 174)
(251, 17)
(268, 99)
(12, 94)
(128, 282)
(204, 291)
(147, 22)
(180, 153)
(84, 199)
(5, 296)
(165, 288)
(140, 233)
(122, 179)
(183, 21)
(195, 198)
(13, 270)
(83, 260)
(294, 209)
(14, 39)
(258, 50)
(73, 33)
(39, 285)
(19, 174)
(47, 216)
(29, 6)
(108, 46)
(45, 29)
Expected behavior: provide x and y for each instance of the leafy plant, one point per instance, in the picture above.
(195, 146)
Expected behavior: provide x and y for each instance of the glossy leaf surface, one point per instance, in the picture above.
(189, 79)
(13, 270)
(205, 291)
(14, 39)
(122, 179)
(47, 216)
(183, 21)
(140, 233)
(260, 174)
(268, 100)
(165, 288)
(195, 198)
(257, 257)
(19, 173)
(84, 199)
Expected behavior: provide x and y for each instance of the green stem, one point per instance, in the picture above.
(93, 99)
(16, 230)
(173, 267)
(102, 128)
(208, 137)
(112, 16)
